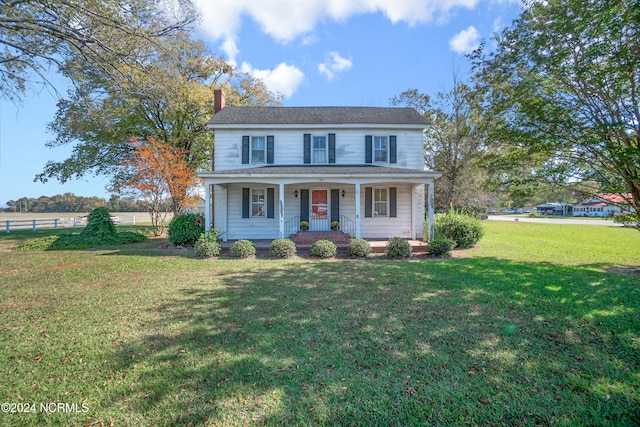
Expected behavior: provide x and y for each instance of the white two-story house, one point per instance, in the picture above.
(277, 167)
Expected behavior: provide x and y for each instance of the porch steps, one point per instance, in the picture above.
(308, 237)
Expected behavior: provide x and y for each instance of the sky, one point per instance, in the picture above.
(311, 52)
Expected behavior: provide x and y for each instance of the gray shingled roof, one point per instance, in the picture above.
(320, 170)
(316, 116)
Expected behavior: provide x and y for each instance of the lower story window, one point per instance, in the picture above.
(257, 203)
(380, 201)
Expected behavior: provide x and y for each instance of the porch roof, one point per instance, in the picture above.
(335, 173)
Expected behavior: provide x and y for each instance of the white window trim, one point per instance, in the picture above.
(373, 148)
(373, 202)
(326, 149)
(263, 150)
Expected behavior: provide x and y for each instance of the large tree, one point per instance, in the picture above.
(561, 93)
(452, 144)
(39, 36)
(170, 99)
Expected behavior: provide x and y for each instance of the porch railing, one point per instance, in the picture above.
(347, 225)
(291, 226)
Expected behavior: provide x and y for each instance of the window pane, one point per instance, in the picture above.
(380, 148)
(319, 156)
(258, 144)
(380, 202)
(319, 149)
(257, 203)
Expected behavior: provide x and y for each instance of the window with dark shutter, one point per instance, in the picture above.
(245, 150)
(392, 202)
(270, 203)
(304, 205)
(335, 204)
(368, 150)
(270, 149)
(393, 157)
(245, 203)
(307, 148)
(332, 148)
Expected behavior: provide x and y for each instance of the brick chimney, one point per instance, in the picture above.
(218, 100)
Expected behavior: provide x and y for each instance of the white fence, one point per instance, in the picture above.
(55, 223)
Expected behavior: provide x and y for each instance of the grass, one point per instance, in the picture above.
(530, 328)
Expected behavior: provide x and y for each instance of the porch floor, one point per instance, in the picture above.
(377, 246)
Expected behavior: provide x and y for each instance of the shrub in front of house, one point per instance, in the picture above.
(323, 249)
(208, 246)
(359, 248)
(186, 229)
(282, 248)
(99, 224)
(440, 246)
(242, 249)
(398, 248)
(464, 230)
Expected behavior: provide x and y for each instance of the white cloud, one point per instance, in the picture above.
(285, 20)
(465, 41)
(334, 64)
(284, 79)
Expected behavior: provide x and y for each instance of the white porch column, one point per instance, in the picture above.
(225, 219)
(414, 209)
(357, 210)
(207, 207)
(281, 210)
(432, 226)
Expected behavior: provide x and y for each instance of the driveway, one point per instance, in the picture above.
(551, 220)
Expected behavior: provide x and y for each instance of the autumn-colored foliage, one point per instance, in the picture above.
(159, 173)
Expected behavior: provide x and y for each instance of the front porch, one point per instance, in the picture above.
(366, 201)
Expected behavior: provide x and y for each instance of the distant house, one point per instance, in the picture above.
(605, 205)
(277, 170)
(554, 209)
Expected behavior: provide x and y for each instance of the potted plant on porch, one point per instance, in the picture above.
(335, 225)
(304, 225)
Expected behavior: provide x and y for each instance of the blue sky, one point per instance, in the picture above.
(312, 52)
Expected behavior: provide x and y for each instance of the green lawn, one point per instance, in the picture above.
(536, 326)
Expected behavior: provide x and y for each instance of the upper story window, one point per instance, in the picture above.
(380, 149)
(258, 149)
(319, 149)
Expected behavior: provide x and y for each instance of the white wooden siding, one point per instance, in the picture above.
(289, 149)
(230, 220)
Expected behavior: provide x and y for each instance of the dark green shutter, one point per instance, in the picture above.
(270, 153)
(368, 149)
(245, 203)
(245, 150)
(332, 149)
(304, 205)
(368, 201)
(307, 148)
(270, 203)
(335, 204)
(393, 158)
(392, 202)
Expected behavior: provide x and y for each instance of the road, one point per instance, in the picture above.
(551, 220)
